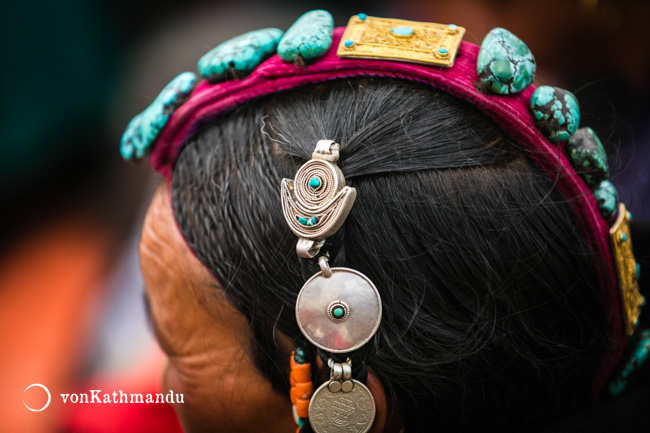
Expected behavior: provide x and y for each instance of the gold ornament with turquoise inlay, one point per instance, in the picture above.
(401, 40)
(626, 269)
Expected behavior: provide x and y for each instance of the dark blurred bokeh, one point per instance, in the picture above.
(74, 72)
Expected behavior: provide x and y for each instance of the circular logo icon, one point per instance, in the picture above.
(49, 397)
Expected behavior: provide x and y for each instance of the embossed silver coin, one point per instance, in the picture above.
(341, 313)
(342, 412)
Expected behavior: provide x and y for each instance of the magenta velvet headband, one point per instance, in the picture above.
(542, 121)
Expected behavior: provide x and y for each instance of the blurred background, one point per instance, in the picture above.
(75, 72)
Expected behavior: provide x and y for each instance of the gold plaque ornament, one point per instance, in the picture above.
(626, 267)
(407, 41)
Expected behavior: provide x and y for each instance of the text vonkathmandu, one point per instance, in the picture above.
(120, 397)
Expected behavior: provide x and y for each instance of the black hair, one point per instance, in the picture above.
(492, 312)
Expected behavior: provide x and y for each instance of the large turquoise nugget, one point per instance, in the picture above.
(607, 198)
(505, 64)
(243, 54)
(309, 37)
(588, 157)
(144, 128)
(556, 112)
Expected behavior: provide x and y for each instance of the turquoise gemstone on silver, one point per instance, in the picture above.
(309, 37)
(402, 31)
(314, 182)
(144, 128)
(588, 157)
(556, 112)
(308, 221)
(243, 54)
(505, 64)
(607, 198)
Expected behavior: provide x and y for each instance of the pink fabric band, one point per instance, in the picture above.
(511, 112)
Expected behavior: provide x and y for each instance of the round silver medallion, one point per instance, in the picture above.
(342, 412)
(341, 313)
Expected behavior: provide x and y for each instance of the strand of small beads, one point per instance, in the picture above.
(302, 387)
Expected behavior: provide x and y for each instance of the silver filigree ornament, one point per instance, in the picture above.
(338, 309)
(316, 202)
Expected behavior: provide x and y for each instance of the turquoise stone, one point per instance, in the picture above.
(348, 42)
(638, 271)
(308, 221)
(607, 198)
(556, 112)
(243, 54)
(309, 37)
(314, 182)
(638, 357)
(588, 157)
(362, 16)
(299, 355)
(442, 50)
(402, 31)
(143, 130)
(505, 64)
(338, 312)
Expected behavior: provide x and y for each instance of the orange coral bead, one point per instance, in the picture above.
(302, 408)
(304, 389)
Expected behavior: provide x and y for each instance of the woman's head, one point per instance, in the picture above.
(492, 312)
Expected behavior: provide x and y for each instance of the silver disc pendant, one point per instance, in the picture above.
(340, 313)
(342, 412)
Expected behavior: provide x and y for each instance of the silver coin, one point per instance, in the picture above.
(342, 412)
(358, 298)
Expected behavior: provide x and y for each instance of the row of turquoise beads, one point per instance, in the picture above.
(144, 128)
(309, 37)
(556, 112)
(588, 157)
(607, 198)
(505, 64)
(241, 54)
